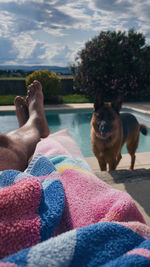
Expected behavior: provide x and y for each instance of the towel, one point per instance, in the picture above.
(30, 208)
(58, 213)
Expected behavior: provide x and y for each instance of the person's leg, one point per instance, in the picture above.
(18, 146)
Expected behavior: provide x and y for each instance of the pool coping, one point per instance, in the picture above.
(143, 107)
(54, 107)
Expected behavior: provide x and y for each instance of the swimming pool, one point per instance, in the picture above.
(78, 124)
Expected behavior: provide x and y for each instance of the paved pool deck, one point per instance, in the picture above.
(137, 182)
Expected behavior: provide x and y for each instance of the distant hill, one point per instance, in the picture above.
(56, 69)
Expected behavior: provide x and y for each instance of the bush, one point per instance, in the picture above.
(114, 62)
(50, 83)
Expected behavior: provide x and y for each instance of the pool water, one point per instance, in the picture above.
(78, 124)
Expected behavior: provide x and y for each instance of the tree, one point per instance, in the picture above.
(114, 62)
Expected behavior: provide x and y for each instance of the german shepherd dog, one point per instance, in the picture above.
(110, 130)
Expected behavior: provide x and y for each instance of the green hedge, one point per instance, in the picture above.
(50, 83)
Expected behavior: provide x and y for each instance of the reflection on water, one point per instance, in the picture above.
(78, 124)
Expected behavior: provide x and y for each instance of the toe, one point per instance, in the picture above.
(37, 84)
(17, 100)
(30, 90)
(20, 102)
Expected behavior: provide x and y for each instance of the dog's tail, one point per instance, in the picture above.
(143, 129)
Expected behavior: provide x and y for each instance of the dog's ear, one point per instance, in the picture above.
(98, 101)
(116, 105)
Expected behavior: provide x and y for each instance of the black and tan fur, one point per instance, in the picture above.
(110, 130)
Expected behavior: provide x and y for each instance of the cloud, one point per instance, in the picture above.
(32, 16)
(63, 56)
(52, 31)
(23, 20)
(113, 5)
(37, 54)
(122, 8)
(7, 51)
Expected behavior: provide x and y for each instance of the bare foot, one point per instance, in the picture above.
(21, 110)
(34, 100)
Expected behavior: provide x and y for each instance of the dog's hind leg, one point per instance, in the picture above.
(133, 157)
(132, 145)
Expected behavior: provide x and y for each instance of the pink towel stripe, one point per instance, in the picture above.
(19, 220)
(141, 252)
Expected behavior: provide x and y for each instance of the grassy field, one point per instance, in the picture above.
(9, 99)
(75, 98)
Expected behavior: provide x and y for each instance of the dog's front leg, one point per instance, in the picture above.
(114, 161)
(112, 164)
(102, 164)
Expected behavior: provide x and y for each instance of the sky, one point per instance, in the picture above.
(51, 32)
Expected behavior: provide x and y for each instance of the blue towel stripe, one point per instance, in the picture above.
(105, 241)
(129, 261)
(145, 244)
(19, 258)
(51, 206)
(40, 166)
(7, 177)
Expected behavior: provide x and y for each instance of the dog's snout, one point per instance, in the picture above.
(104, 127)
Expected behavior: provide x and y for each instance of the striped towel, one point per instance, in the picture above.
(58, 213)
